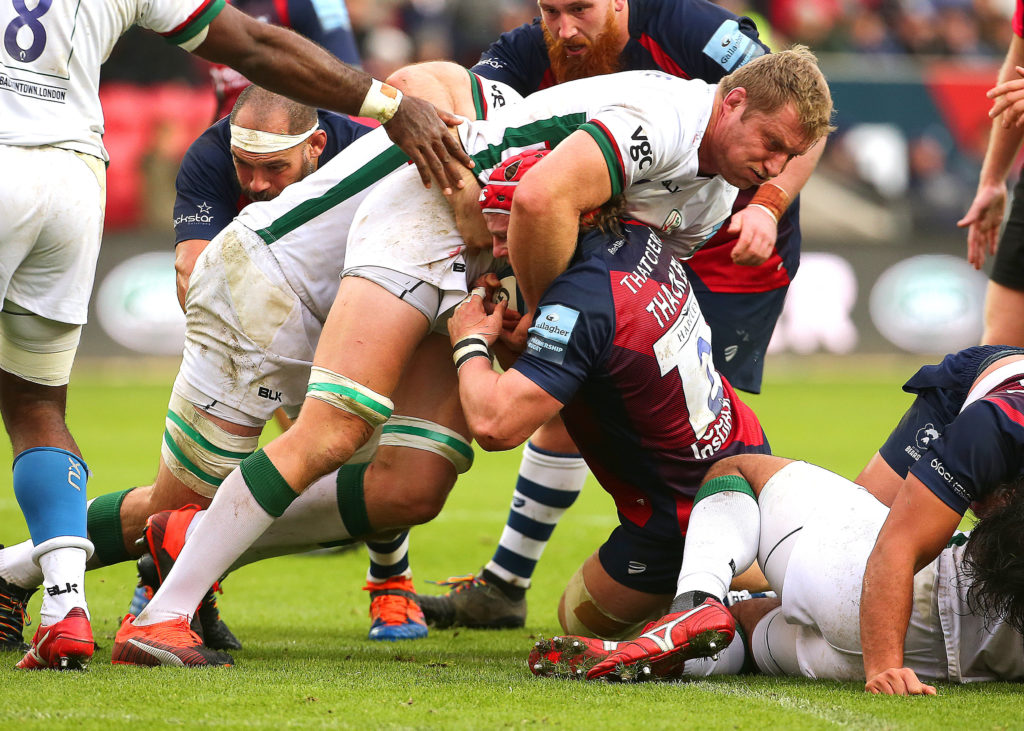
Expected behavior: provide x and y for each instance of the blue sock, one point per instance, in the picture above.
(49, 484)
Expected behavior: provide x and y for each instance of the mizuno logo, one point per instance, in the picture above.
(662, 635)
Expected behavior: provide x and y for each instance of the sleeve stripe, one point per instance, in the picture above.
(610, 150)
(479, 98)
(195, 23)
(664, 61)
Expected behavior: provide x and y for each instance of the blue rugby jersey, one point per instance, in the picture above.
(961, 454)
(619, 338)
(208, 195)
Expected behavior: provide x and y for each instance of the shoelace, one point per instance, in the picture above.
(394, 609)
(10, 610)
(461, 583)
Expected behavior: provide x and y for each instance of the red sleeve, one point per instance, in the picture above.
(1018, 19)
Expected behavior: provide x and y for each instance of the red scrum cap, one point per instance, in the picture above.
(496, 196)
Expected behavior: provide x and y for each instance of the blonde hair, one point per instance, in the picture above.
(774, 80)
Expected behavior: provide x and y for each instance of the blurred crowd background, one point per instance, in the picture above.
(909, 80)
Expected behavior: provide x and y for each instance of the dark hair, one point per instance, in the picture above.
(994, 558)
(265, 104)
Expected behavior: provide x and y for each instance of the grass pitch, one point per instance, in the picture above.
(307, 662)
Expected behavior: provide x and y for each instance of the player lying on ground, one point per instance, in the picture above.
(959, 442)
(811, 532)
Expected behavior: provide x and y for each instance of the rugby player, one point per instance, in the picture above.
(1004, 300)
(52, 203)
(958, 444)
(739, 279)
(811, 532)
(354, 375)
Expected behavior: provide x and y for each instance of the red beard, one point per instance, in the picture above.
(601, 57)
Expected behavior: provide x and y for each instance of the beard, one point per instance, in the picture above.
(601, 56)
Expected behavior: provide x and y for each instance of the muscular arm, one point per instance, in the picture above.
(546, 211)
(917, 529)
(502, 410)
(985, 215)
(755, 229)
(185, 255)
(287, 63)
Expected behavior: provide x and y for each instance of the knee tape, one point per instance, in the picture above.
(408, 431)
(197, 451)
(345, 394)
(35, 348)
(584, 616)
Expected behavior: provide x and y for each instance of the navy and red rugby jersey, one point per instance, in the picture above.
(619, 338)
(325, 22)
(207, 191)
(962, 454)
(693, 39)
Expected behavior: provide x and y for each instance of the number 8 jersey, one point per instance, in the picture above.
(50, 58)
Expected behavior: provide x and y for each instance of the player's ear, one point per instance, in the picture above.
(735, 100)
(317, 143)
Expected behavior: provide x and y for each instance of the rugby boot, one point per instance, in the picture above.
(13, 616)
(64, 645)
(165, 537)
(395, 612)
(568, 656)
(474, 601)
(171, 643)
(667, 643)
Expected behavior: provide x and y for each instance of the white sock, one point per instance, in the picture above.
(721, 542)
(229, 526)
(548, 484)
(63, 583)
(18, 568)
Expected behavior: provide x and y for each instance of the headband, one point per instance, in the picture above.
(260, 142)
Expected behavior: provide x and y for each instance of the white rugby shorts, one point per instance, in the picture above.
(406, 228)
(834, 523)
(249, 339)
(51, 221)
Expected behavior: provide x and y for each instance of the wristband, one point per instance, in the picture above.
(772, 198)
(381, 102)
(468, 348)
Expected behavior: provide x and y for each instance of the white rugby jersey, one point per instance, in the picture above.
(974, 652)
(50, 57)
(649, 126)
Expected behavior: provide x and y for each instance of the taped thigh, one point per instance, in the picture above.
(579, 605)
(35, 348)
(408, 431)
(347, 395)
(198, 452)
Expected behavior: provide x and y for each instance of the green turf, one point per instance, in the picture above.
(303, 619)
